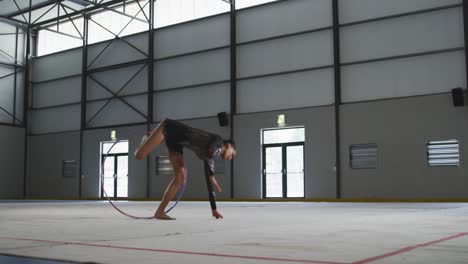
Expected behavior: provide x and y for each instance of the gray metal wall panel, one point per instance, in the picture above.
(403, 77)
(355, 10)
(57, 92)
(7, 28)
(116, 112)
(116, 79)
(283, 18)
(124, 52)
(4, 70)
(6, 94)
(58, 65)
(55, 119)
(5, 118)
(401, 128)
(194, 69)
(8, 48)
(286, 54)
(140, 102)
(11, 162)
(191, 103)
(296, 90)
(45, 156)
(193, 36)
(7, 43)
(319, 176)
(92, 139)
(19, 95)
(405, 35)
(22, 45)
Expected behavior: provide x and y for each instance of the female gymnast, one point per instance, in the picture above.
(205, 145)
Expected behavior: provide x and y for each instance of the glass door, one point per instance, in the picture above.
(283, 170)
(115, 180)
(273, 170)
(122, 176)
(295, 171)
(109, 176)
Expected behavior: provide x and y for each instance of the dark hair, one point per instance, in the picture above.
(229, 141)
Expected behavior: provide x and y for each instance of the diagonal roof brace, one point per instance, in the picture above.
(33, 8)
(13, 22)
(93, 7)
(115, 11)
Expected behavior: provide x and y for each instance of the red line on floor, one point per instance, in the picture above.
(364, 261)
(176, 251)
(406, 249)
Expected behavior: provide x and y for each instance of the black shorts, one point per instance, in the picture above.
(175, 133)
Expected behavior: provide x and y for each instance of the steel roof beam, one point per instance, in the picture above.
(33, 8)
(13, 22)
(80, 12)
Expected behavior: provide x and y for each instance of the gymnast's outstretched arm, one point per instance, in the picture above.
(210, 181)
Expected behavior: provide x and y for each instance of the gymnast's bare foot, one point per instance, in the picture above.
(163, 216)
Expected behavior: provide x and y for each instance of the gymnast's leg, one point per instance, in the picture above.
(153, 140)
(179, 178)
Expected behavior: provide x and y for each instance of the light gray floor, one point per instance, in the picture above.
(251, 233)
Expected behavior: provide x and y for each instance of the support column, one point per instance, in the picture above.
(84, 86)
(26, 102)
(465, 31)
(233, 74)
(150, 118)
(15, 82)
(337, 74)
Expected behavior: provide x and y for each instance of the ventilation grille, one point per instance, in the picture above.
(363, 156)
(443, 153)
(163, 166)
(69, 168)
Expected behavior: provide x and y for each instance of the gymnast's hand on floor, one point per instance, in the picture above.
(216, 214)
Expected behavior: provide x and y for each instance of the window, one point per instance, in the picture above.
(120, 147)
(65, 35)
(363, 156)
(126, 19)
(443, 153)
(275, 136)
(248, 3)
(122, 21)
(170, 12)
